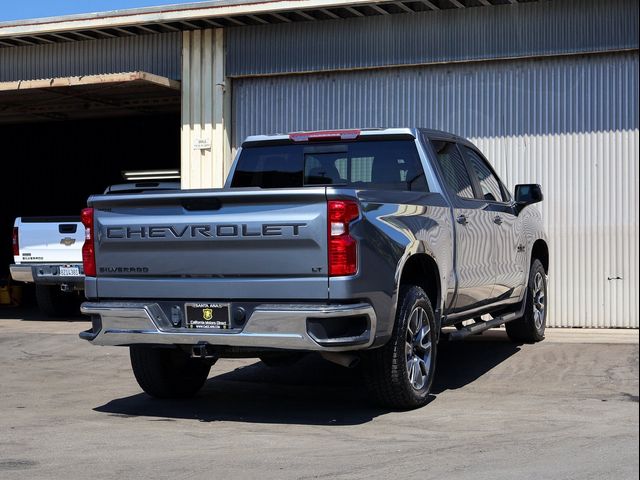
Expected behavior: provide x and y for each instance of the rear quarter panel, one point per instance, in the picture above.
(393, 226)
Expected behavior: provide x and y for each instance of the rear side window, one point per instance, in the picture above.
(378, 164)
(489, 183)
(453, 168)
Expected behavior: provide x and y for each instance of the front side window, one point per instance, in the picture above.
(453, 168)
(489, 183)
(372, 164)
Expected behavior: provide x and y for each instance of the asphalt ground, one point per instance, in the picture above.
(566, 408)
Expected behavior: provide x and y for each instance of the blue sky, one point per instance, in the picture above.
(20, 9)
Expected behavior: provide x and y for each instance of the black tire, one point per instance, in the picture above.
(53, 302)
(387, 368)
(531, 326)
(167, 372)
(281, 360)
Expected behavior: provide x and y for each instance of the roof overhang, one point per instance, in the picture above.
(210, 14)
(92, 96)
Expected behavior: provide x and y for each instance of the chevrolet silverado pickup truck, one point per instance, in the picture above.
(357, 244)
(47, 251)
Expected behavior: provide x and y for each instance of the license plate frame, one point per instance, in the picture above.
(68, 271)
(207, 316)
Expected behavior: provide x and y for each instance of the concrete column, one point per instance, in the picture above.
(205, 133)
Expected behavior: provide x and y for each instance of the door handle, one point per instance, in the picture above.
(462, 219)
(497, 220)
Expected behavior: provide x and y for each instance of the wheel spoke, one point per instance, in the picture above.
(417, 375)
(538, 282)
(424, 340)
(411, 368)
(422, 367)
(412, 326)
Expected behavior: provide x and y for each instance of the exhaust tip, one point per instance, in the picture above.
(347, 360)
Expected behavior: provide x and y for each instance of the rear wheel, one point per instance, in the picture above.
(53, 302)
(167, 372)
(531, 326)
(400, 374)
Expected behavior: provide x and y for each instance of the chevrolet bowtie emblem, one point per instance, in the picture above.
(207, 313)
(68, 241)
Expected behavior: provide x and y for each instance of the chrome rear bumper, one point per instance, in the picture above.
(21, 273)
(269, 326)
(46, 274)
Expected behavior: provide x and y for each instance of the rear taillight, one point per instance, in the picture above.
(15, 243)
(343, 248)
(88, 249)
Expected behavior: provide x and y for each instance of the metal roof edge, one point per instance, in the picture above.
(165, 13)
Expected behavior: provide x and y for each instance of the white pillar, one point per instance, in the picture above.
(205, 142)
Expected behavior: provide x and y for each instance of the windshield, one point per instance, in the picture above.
(379, 164)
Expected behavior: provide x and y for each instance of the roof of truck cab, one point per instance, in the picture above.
(413, 131)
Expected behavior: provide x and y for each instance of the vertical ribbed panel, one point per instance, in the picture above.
(570, 124)
(506, 31)
(158, 54)
(204, 139)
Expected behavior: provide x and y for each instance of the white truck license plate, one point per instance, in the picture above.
(69, 271)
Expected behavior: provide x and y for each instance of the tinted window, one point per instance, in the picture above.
(268, 167)
(383, 164)
(453, 168)
(489, 184)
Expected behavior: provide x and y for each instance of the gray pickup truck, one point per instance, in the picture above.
(358, 244)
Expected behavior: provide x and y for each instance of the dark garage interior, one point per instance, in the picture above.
(50, 168)
(64, 139)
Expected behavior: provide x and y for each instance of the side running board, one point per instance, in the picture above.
(481, 326)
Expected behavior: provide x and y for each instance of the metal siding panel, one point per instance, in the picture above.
(507, 31)
(203, 99)
(159, 54)
(570, 124)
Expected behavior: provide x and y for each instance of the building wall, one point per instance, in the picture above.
(205, 143)
(159, 54)
(569, 123)
(454, 35)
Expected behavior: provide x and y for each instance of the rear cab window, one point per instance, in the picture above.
(371, 164)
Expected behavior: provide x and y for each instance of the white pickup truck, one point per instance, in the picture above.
(47, 251)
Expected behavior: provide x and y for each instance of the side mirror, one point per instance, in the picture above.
(528, 194)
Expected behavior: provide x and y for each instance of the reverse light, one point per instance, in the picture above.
(15, 243)
(343, 248)
(88, 249)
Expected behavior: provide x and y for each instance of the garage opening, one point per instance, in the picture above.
(67, 138)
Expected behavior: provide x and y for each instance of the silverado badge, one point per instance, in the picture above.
(207, 313)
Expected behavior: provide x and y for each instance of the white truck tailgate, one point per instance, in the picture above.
(49, 240)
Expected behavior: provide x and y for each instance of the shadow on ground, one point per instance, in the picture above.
(33, 314)
(311, 392)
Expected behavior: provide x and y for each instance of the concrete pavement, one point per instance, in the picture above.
(556, 410)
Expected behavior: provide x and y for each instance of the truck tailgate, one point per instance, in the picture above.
(212, 244)
(50, 240)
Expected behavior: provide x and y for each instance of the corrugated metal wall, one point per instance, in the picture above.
(159, 54)
(507, 31)
(568, 123)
